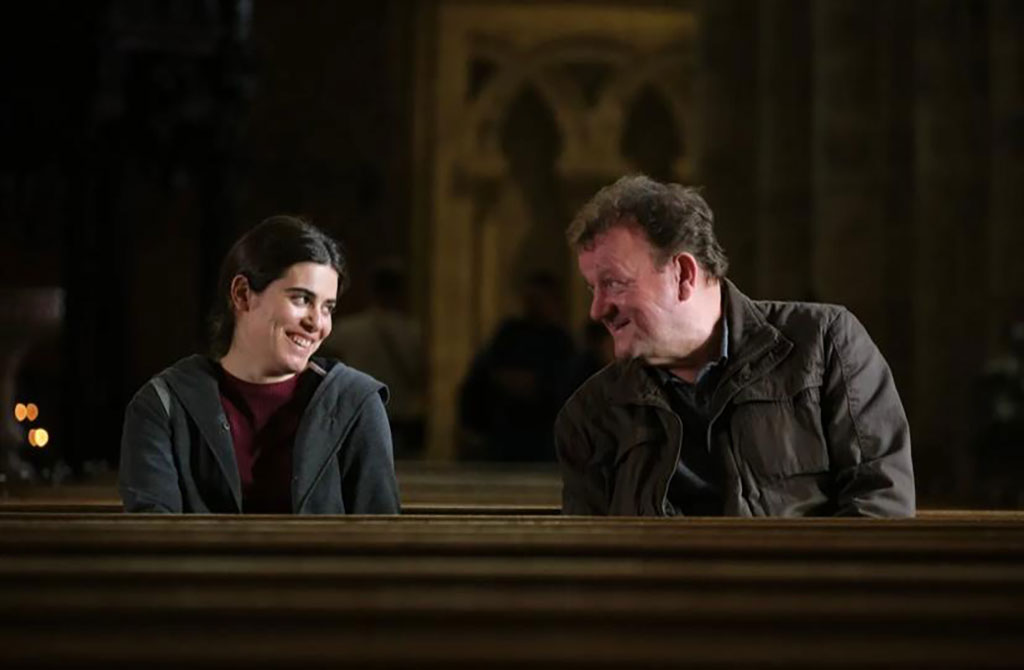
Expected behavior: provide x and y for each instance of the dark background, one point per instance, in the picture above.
(868, 153)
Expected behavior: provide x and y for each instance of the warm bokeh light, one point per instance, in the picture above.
(31, 411)
(38, 437)
(20, 412)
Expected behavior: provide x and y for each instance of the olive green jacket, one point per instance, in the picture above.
(805, 419)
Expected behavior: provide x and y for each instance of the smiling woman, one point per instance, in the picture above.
(260, 425)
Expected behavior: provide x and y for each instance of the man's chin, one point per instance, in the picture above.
(646, 355)
(629, 352)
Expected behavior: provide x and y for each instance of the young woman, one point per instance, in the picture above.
(261, 426)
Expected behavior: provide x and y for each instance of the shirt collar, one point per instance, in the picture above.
(666, 377)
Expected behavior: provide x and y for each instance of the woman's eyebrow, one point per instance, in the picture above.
(307, 292)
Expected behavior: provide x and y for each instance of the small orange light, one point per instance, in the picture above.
(20, 412)
(31, 411)
(38, 437)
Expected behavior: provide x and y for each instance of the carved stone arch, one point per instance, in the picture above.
(484, 220)
(485, 120)
(585, 152)
(486, 116)
(667, 72)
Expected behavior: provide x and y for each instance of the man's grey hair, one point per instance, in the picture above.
(675, 219)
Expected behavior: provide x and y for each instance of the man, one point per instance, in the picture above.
(718, 404)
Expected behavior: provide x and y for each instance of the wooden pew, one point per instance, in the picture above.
(489, 591)
(426, 488)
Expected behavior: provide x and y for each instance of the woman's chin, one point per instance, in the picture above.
(289, 365)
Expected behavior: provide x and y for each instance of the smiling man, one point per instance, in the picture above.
(718, 404)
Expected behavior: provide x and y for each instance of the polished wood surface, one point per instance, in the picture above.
(944, 590)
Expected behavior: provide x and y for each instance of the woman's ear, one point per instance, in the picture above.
(240, 294)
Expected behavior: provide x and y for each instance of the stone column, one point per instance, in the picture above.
(951, 125)
(783, 233)
(726, 132)
(1006, 241)
(849, 131)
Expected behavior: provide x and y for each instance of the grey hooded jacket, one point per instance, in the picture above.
(806, 421)
(177, 455)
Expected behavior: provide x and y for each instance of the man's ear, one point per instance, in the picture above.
(240, 294)
(688, 271)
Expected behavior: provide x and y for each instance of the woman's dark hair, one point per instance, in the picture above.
(264, 255)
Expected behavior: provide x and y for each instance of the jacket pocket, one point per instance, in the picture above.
(641, 435)
(643, 459)
(779, 435)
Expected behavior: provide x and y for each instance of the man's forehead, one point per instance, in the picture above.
(618, 242)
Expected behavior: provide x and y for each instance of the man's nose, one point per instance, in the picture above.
(598, 306)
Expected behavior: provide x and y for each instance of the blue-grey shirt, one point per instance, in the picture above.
(696, 486)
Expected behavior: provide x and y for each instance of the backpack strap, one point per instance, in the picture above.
(160, 386)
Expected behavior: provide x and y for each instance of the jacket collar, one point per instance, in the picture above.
(316, 437)
(755, 346)
(194, 381)
(759, 346)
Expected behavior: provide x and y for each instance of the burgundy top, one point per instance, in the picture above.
(264, 419)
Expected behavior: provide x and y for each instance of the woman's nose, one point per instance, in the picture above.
(311, 320)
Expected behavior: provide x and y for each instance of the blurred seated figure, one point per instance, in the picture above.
(260, 425)
(510, 397)
(1000, 425)
(385, 341)
(598, 351)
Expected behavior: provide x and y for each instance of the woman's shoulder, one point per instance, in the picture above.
(189, 375)
(189, 370)
(344, 380)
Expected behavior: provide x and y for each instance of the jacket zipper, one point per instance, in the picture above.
(707, 437)
(317, 396)
(672, 471)
(320, 473)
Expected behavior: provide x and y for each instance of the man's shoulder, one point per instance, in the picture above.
(785, 312)
(598, 390)
(800, 321)
(815, 329)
